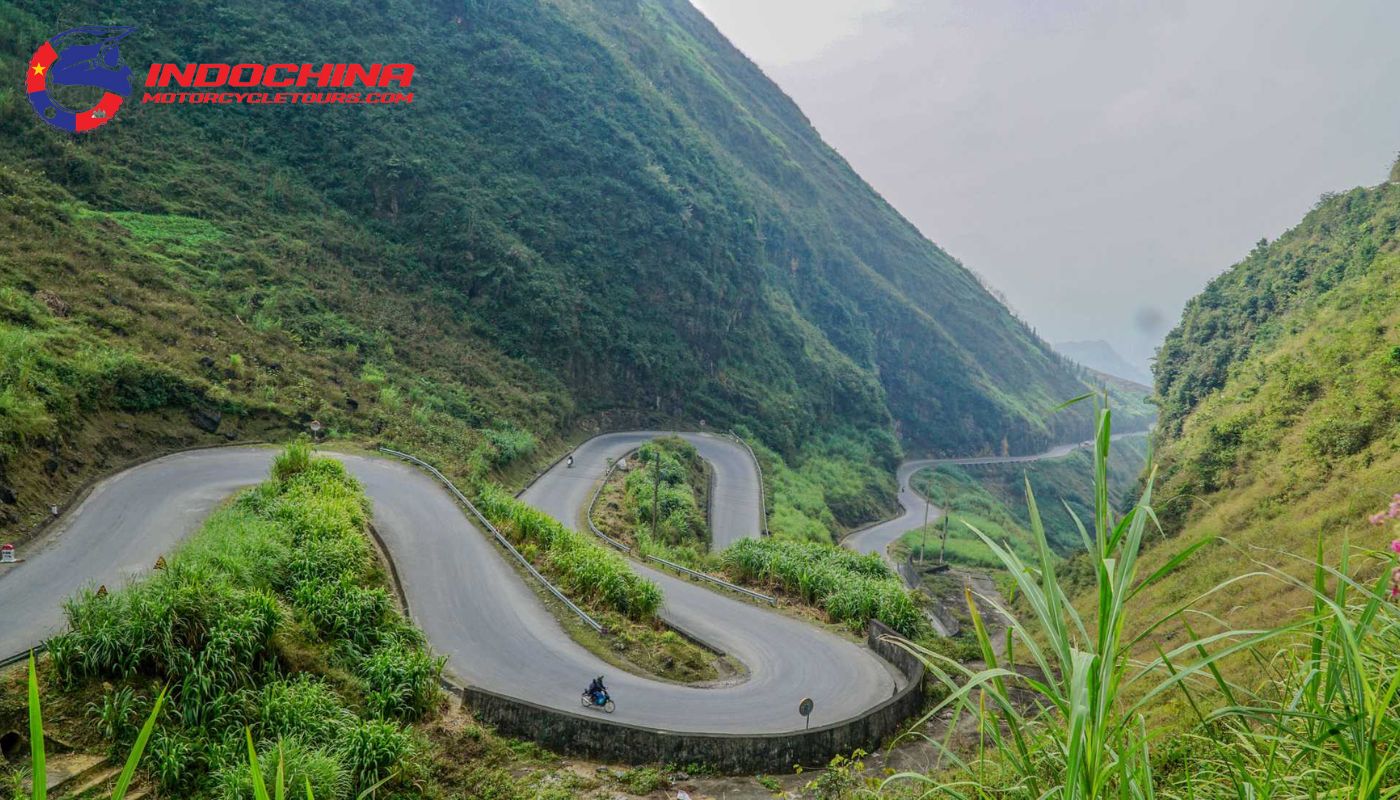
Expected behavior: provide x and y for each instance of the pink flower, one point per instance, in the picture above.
(1395, 546)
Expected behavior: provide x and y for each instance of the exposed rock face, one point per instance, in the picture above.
(206, 419)
(7, 494)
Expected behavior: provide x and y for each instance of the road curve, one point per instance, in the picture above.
(472, 604)
(878, 537)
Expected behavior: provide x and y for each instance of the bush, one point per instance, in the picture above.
(850, 587)
(401, 680)
(371, 749)
(302, 707)
(213, 625)
(301, 763)
(343, 610)
(1337, 436)
(508, 444)
(666, 483)
(581, 567)
(291, 461)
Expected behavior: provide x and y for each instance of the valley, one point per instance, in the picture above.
(589, 426)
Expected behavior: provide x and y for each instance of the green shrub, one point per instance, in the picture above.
(301, 763)
(583, 568)
(508, 444)
(643, 780)
(372, 749)
(667, 482)
(214, 623)
(116, 716)
(1338, 436)
(343, 610)
(401, 680)
(177, 760)
(292, 461)
(303, 708)
(850, 587)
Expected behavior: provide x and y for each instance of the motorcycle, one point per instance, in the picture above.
(590, 701)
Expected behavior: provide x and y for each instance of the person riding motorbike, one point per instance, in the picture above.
(570, 461)
(597, 691)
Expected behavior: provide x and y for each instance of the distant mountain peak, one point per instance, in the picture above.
(1101, 356)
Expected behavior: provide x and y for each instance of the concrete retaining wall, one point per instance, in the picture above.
(945, 623)
(591, 735)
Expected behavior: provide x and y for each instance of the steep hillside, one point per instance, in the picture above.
(1281, 394)
(589, 209)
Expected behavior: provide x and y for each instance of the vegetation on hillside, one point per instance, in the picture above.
(851, 588)
(1346, 243)
(839, 482)
(271, 625)
(845, 587)
(1281, 381)
(667, 491)
(272, 617)
(582, 567)
(991, 498)
(1064, 712)
(591, 208)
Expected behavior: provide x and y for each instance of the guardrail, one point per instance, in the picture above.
(598, 492)
(673, 565)
(18, 657)
(712, 579)
(504, 542)
(762, 486)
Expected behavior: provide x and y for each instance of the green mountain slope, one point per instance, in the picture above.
(1280, 391)
(591, 208)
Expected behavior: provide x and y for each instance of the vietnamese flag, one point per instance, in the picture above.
(36, 75)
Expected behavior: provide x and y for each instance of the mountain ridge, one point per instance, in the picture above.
(1279, 433)
(1099, 355)
(589, 209)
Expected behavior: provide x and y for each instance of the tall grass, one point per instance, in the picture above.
(39, 762)
(1067, 719)
(584, 570)
(851, 588)
(279, 583)
(669, 472)
(253, 775)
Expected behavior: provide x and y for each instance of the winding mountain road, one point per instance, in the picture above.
(878, 537)
(473, 605)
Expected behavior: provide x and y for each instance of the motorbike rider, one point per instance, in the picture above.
(570, 462)
(597, 692)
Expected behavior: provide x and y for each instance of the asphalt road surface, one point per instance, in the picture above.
(877, 538)
(473, 605)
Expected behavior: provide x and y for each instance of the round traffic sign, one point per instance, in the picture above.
(805, 707)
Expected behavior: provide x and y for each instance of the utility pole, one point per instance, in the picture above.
(923, 545)
(943, 548)
(655, 492)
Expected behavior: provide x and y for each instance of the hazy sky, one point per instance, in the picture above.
(1097, 162)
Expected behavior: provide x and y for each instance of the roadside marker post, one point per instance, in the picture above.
(7, 554)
